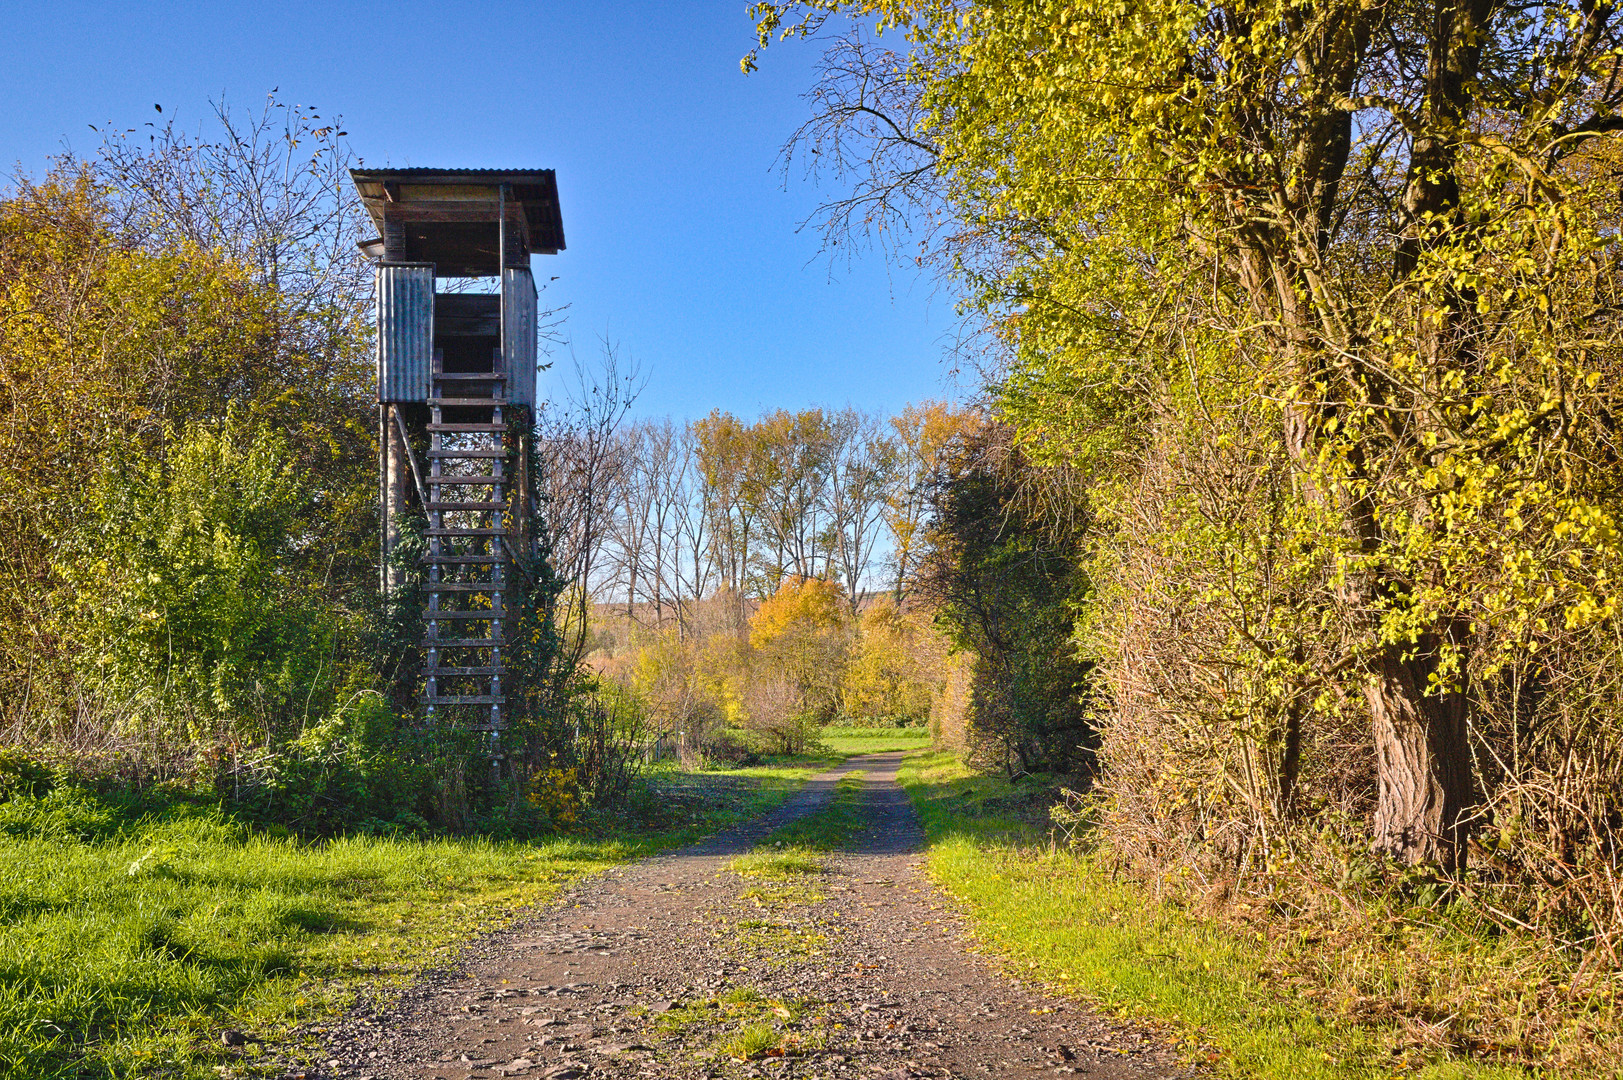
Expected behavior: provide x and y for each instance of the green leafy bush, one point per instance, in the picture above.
(189, 601)
(353, 771)
(20, 774)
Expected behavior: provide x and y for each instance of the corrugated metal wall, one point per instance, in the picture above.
(519, 315)
(405, 330)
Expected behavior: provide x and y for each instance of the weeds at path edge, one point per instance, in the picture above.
(1057, 918)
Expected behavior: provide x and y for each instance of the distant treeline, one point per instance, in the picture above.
(742, 506)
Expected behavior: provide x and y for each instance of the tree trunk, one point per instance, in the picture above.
(1422, 749)
(1290, 760)
(1422, 760)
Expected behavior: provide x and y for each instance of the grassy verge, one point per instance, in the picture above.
(132, 933)
(1060, 918)
(846, 741)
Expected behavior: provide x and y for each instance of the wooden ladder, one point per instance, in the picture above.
(467, 558)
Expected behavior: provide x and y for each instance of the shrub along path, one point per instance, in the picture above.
(759, 952)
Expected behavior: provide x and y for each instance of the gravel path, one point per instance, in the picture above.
(676, 967)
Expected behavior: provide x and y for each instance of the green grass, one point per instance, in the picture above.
(836, 742)
(828, 829)
(789, 856)
(131, 935)
(847, 741)
(757, 1036)
(753, 1041)
(1058, 918)
(767, 784)
(783, 865)
(742, 1023)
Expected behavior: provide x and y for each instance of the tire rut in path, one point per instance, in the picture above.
(653, 969)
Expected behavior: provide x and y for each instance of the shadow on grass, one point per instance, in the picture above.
(136, 925)
(1060, 916)
(954, 803)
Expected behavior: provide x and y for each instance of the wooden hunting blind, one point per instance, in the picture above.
(456, 400)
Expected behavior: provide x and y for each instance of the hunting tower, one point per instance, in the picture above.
(456, 397)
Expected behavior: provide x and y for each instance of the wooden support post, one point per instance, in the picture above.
(383, 497)
(394, 235)
(396, 489)
(522, 541)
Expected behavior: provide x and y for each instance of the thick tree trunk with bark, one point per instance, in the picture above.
(1420, 736)
(1422, 748)
(1422, 760)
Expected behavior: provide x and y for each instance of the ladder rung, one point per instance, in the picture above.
(470, 376)
(466, 532)
(442, 505)
(465, 586)
(466, 427)
(465, 560)
(483, 402)
(486, 480)
(465, 699)
(462, 643)
(460, 671)
(482, 453)
(439, 616)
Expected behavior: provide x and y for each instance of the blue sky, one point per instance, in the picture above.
(681, 232)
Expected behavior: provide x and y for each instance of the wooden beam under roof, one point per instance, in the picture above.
(436, 208)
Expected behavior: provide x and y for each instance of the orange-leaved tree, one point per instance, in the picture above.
(800, 636)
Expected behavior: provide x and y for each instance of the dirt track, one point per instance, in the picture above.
(654, 969)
